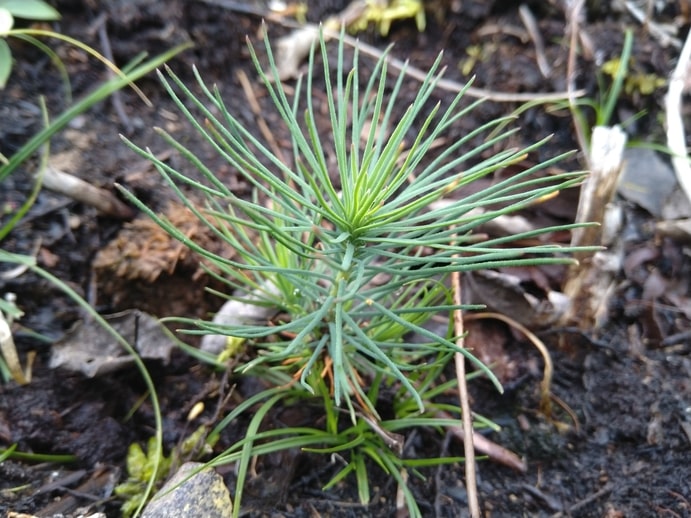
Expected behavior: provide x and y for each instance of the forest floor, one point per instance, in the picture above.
(626, 451)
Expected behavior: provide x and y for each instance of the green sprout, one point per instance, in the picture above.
(142, 467)
(315, 240)
(604, 104)
(635, 82)
(382, 12)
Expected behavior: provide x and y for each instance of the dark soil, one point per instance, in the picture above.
(627, 449)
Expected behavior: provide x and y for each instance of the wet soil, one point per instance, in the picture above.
(626, 386)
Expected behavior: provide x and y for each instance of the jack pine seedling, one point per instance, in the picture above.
(316, 239)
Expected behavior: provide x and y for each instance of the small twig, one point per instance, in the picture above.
(494, 451)
(394, 441)
(397, 64)
(686, 428)
(532, 28)
(100, 483)
(573, 16)
(116, 96)
(261, 121)
(656, 30)
(580, 505)
(676, 338)
(62, 482)
(550, 501)
(82, 191)
(455, 86)
(466, 416)
(676, 140)
(438, 495)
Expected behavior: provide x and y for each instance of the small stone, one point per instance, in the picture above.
(193, 491)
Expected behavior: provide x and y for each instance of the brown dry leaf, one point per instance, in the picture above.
(47, 258)
(658, 271)
(683, 303)
(488, 342)
(653, 327)
(505, 293)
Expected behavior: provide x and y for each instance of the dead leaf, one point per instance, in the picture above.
(93, 351)
(504, 293)
(488, 341)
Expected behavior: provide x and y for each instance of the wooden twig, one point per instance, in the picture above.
(455, 86)
(531, 26)
(466, 416)
(116, 96)
(78, 189)
(261, 121)
(656, 30)
(573, 16)
(494, 451)
(397, 64)
(586, 501)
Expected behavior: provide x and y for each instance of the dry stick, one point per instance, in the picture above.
(116, 96)
(466, 416)
(586, 501)
(82, 191)
(676, 141)
(494, 452)
(264, 127)
(573, 15)
(455, 86)
(261, 122)
(93, 487)
(415, 73)
(438, 484)
(656, 30)
(532, 28)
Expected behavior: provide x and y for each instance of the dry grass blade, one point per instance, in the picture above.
(546, 384)
(573, 18)
(257, 111)
(532, 28)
